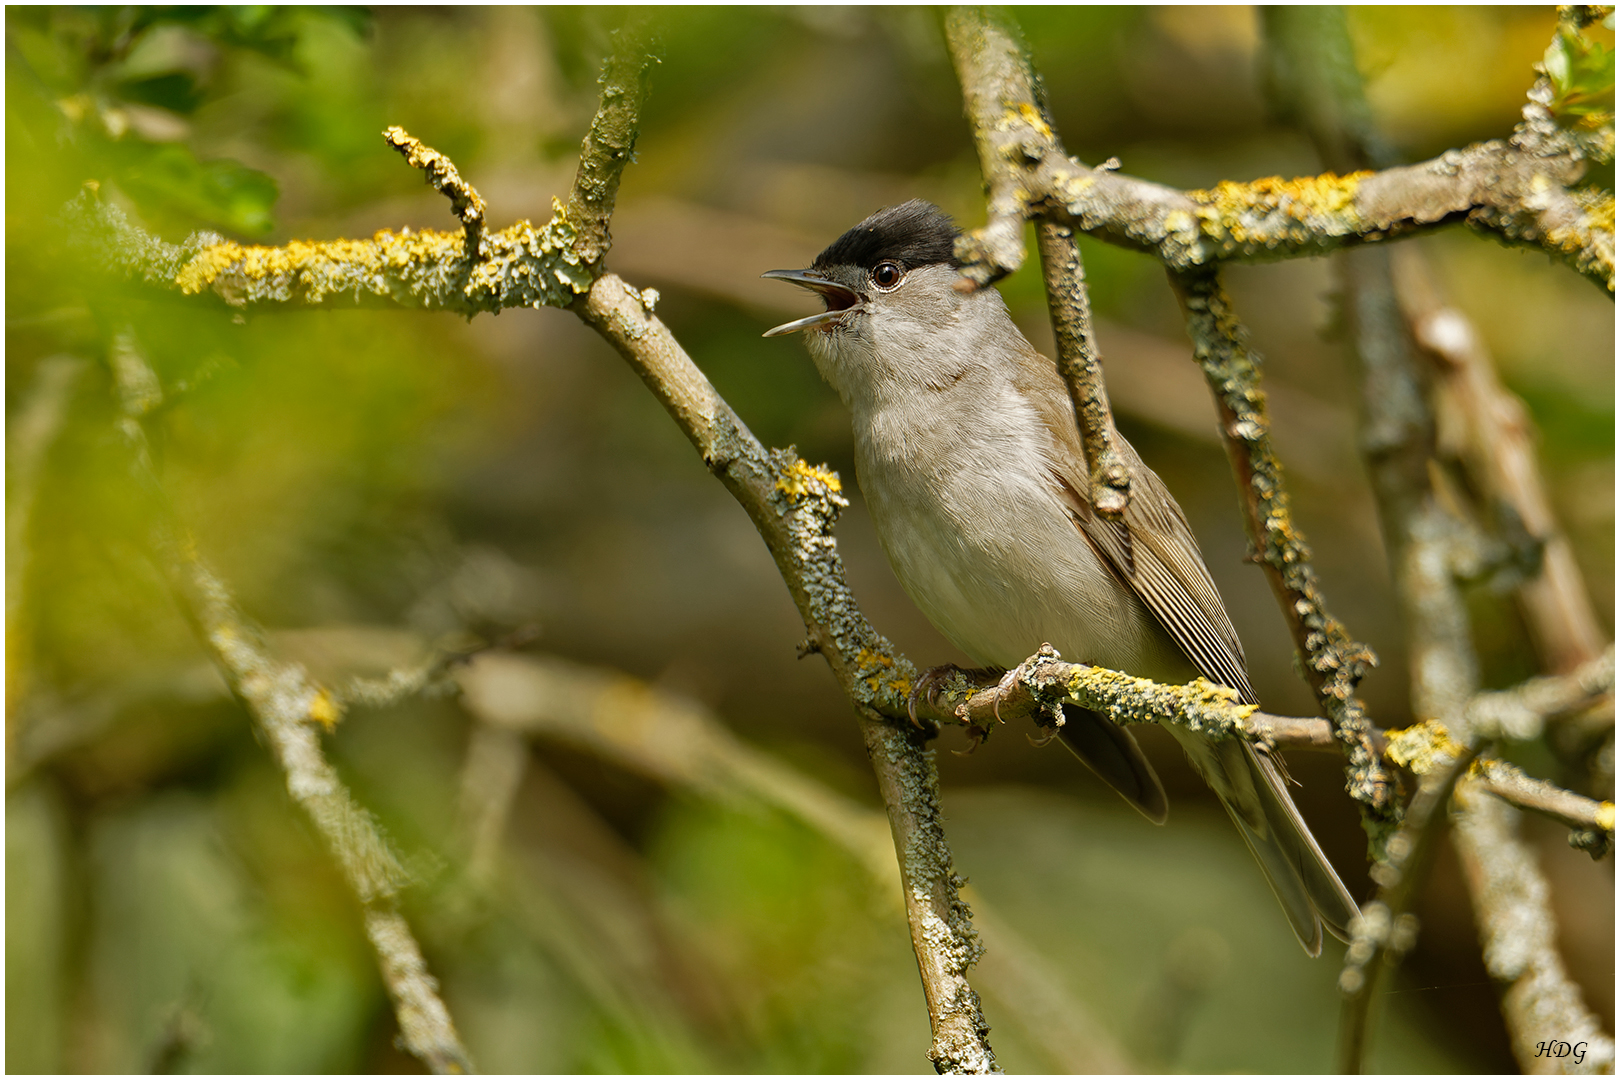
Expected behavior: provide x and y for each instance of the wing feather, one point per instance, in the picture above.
(1153, 549)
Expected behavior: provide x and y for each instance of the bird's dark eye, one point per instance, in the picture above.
(886, 275)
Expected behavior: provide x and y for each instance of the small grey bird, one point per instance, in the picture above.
(970, 459)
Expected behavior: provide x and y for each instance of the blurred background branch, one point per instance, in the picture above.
(287, 707)
(1432, 543)
(164, 909)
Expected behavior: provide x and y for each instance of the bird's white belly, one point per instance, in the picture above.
(1003, 572)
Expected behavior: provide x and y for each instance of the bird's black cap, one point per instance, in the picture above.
(913, 234)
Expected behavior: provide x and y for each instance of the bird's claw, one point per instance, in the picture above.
(923, 688)
(976, 737)
(930, 684)
(1009, 682)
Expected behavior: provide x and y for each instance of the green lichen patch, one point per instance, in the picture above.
(1200, 705)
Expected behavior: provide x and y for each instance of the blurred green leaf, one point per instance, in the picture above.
(221, 192)
(1582, 75)
(176, 91)
(272, 30)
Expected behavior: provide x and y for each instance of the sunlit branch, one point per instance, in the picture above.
(1430, 545)
(441, 173)
(1520, 191)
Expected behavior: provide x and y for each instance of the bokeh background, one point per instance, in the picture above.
(167, 906)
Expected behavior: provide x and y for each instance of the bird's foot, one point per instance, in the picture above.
(1048, 712)
(932, 685)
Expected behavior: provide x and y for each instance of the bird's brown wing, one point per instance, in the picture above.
(1152, 549)
(1154, 552)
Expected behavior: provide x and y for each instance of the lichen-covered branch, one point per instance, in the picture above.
(1009, 129)
(289, 709)
(1509, 783)
(611, 142)
(1333, 661)
(1522, 192)
(794, 505)
(441, 172)
(521, 266)
(1080, 363)
(995, 78)
(1386, 929)
(1042, 683)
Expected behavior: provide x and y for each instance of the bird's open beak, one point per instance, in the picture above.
(840, 299)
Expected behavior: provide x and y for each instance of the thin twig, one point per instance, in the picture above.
(1510, 784)
(1080, 363)
(1386, 929)
(1493, 435)
(441, 173)
(1521, 713)
(490, 775)
(289, 708)
(1333, 662)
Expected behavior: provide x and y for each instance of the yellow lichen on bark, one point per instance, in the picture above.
(312, 260)
(802, 477)
(1422, 747)
(1244, 210)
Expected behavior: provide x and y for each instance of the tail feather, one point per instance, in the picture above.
(1251, 788)
(1112, 753)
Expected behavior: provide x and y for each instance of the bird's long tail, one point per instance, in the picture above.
(1250, 786)
(1111, 752)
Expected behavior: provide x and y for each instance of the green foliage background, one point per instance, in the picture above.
(167, 907)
